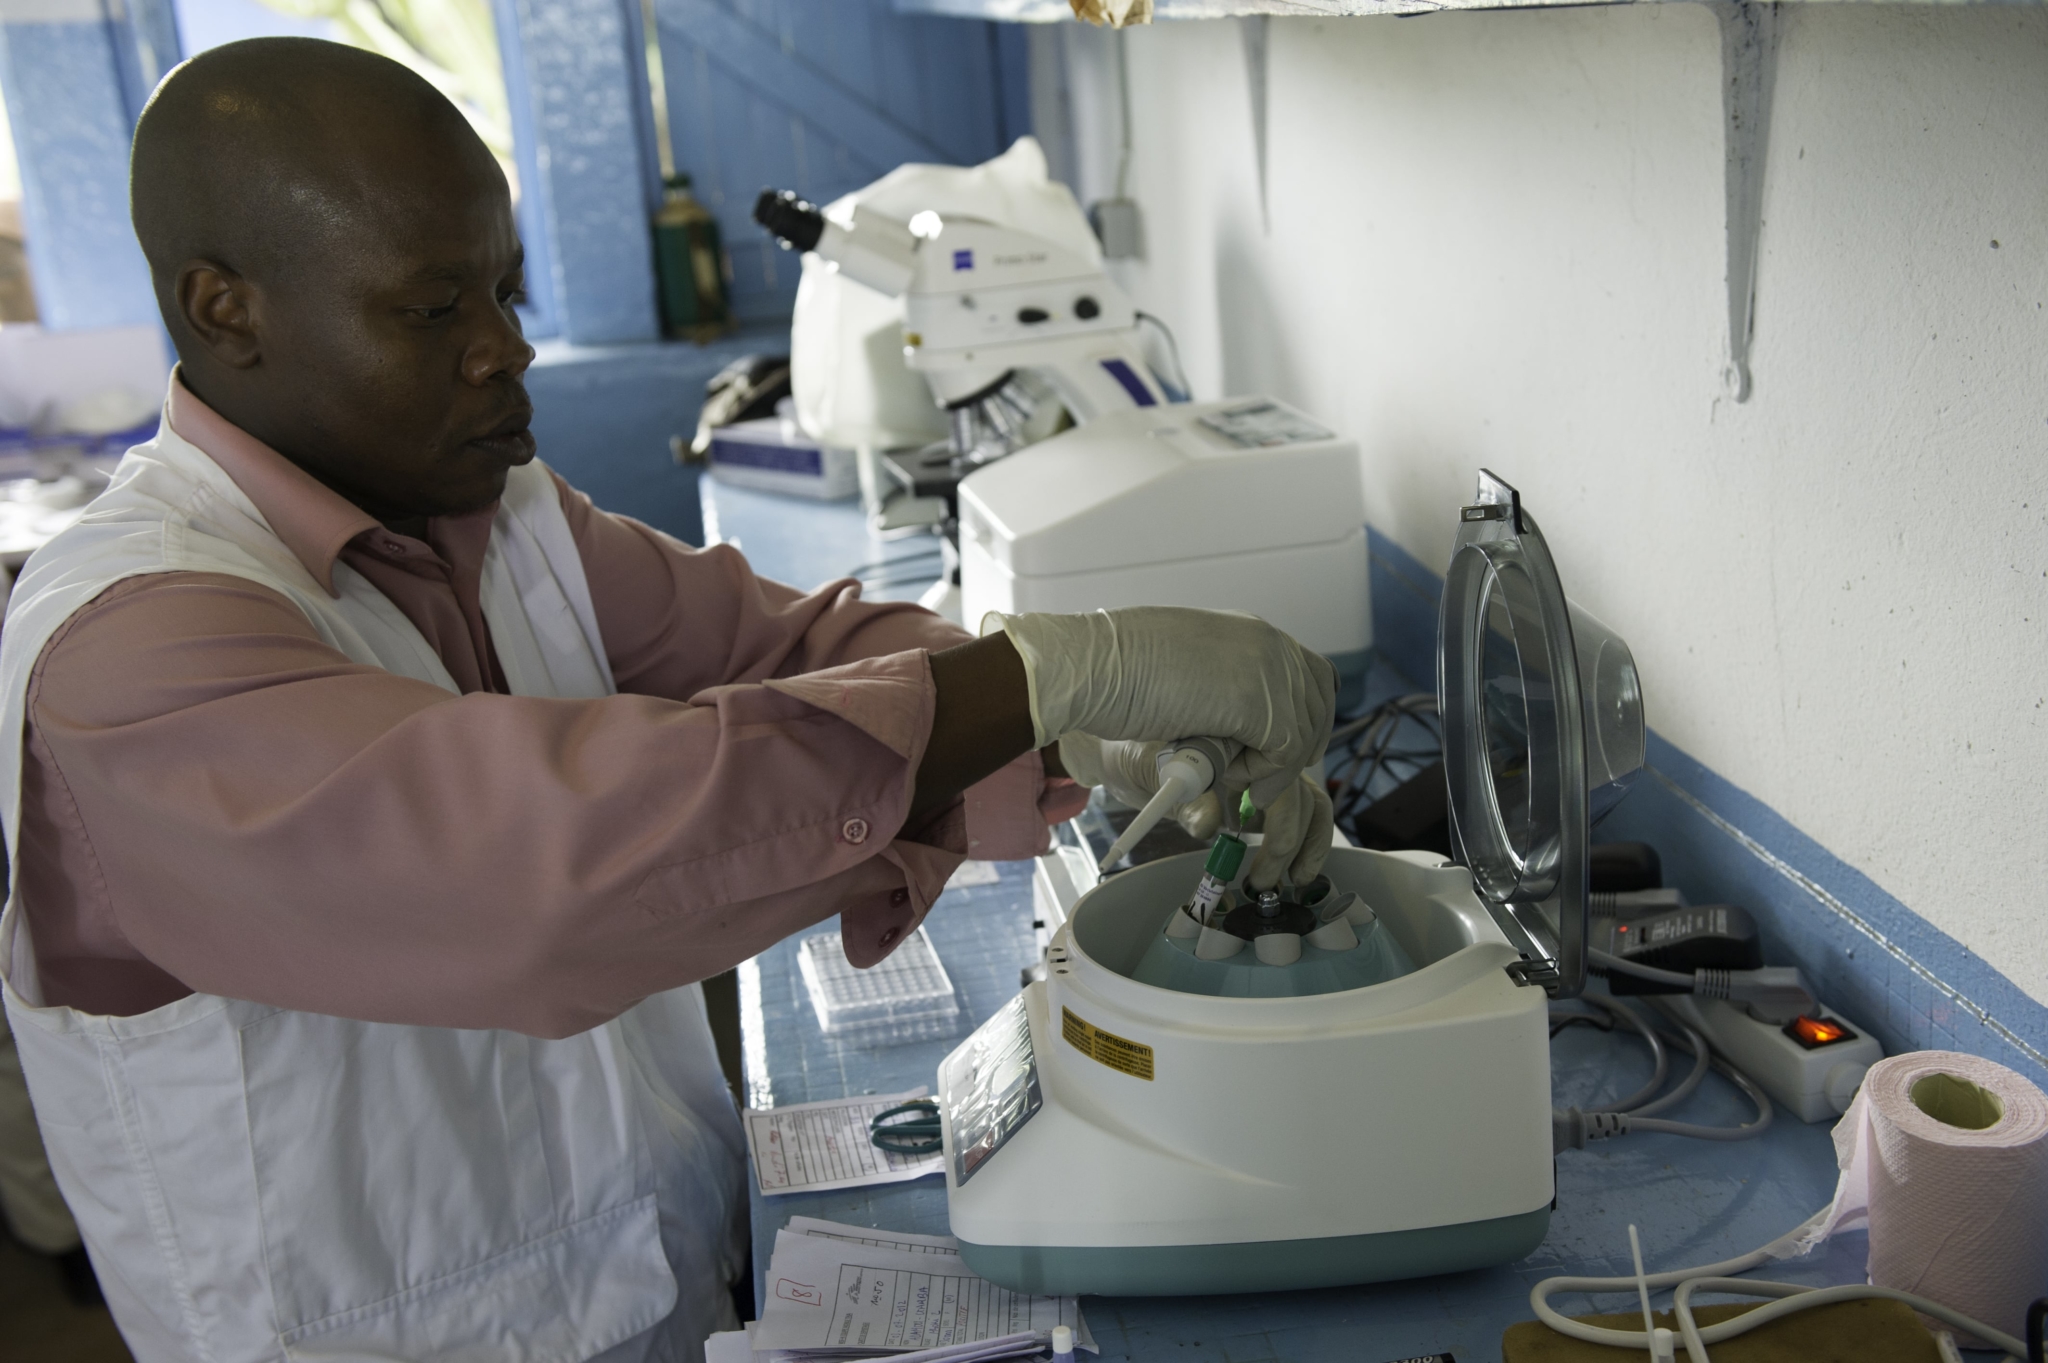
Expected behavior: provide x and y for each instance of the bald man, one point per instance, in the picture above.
(379, 800)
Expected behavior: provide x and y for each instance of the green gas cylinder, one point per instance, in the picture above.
(690, 265)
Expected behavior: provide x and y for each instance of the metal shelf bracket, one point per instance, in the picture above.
(1749, 63)
(1253, 31)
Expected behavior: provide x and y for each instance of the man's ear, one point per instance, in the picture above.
(220, 308)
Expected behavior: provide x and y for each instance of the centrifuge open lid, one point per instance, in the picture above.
(1543, 731)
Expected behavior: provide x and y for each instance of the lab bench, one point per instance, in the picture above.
(1695, 1201)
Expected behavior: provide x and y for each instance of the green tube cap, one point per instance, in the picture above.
(1226, 854)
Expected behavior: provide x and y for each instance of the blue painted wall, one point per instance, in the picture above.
(819, 95)
(72, 110)
(1913, 986)
(204, 24)
(603, 416)
(570, 72)
(824, 96)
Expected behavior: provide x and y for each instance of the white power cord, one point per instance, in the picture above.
(1571, 1128)
(1716, 1278)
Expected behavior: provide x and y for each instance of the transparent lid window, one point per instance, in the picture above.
(1543, 730)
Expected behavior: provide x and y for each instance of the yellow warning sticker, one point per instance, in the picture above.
(1110, 1049)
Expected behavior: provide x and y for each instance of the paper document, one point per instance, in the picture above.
(731, 1347)
(831, 1294)
(878, 1239)
(911, 1243)
(988, 1351)
(812, 1147)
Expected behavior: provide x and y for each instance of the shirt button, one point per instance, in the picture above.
(393, 547)
(889, 937)
(898, 898)
(854, 831)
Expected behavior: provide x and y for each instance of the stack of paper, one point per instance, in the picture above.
(847, 1292)
(738, 1347)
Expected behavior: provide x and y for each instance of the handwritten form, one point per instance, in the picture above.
(849, 1290)
(814, 1147)
(903, 1240)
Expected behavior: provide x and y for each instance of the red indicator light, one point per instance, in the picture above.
(1814, 1033)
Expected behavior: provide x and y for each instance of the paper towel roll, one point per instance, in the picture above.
(1944, 1157)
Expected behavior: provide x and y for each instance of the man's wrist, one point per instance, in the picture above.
(981, 719)
(1055, 770)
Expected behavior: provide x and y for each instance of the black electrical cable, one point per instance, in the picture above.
(1367, 749)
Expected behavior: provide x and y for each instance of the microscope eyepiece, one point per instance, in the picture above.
(797, 224)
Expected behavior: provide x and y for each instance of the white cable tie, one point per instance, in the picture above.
(1635, 1249)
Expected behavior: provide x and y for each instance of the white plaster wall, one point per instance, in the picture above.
(1497, 240)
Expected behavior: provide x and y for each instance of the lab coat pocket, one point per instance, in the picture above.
(563, 1299)
(408, 1207)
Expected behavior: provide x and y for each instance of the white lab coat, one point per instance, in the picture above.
(257, 1184)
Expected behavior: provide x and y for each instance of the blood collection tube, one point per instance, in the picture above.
(1226, 854)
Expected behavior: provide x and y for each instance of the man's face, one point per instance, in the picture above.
(391, 368)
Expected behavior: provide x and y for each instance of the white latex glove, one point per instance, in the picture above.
(1168, 672)
(1298, 835)
(1129, 770)
(1298, 824)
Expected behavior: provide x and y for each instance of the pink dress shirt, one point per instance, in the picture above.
(215, 800)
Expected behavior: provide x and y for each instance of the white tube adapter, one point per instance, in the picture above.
(1217, 945)
(1278, 948)
(1335, 935)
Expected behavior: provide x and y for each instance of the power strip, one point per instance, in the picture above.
(1813, 1066)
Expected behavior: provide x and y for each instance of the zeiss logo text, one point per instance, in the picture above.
(963, 260)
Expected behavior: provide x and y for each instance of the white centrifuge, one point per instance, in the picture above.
(1350, 1083)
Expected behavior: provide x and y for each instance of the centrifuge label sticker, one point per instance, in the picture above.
(1119, 1053)
(990, 1088)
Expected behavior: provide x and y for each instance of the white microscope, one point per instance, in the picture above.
(1070, 477)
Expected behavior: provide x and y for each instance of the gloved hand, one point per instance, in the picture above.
(1129, 770)
(1298, 835)
(1298, 824)
(1168, 672)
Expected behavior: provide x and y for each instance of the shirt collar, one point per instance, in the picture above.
(313, 520)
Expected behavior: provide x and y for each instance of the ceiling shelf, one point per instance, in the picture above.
(1051, 11)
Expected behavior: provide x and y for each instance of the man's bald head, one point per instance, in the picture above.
(267, 153)
(334, 254)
